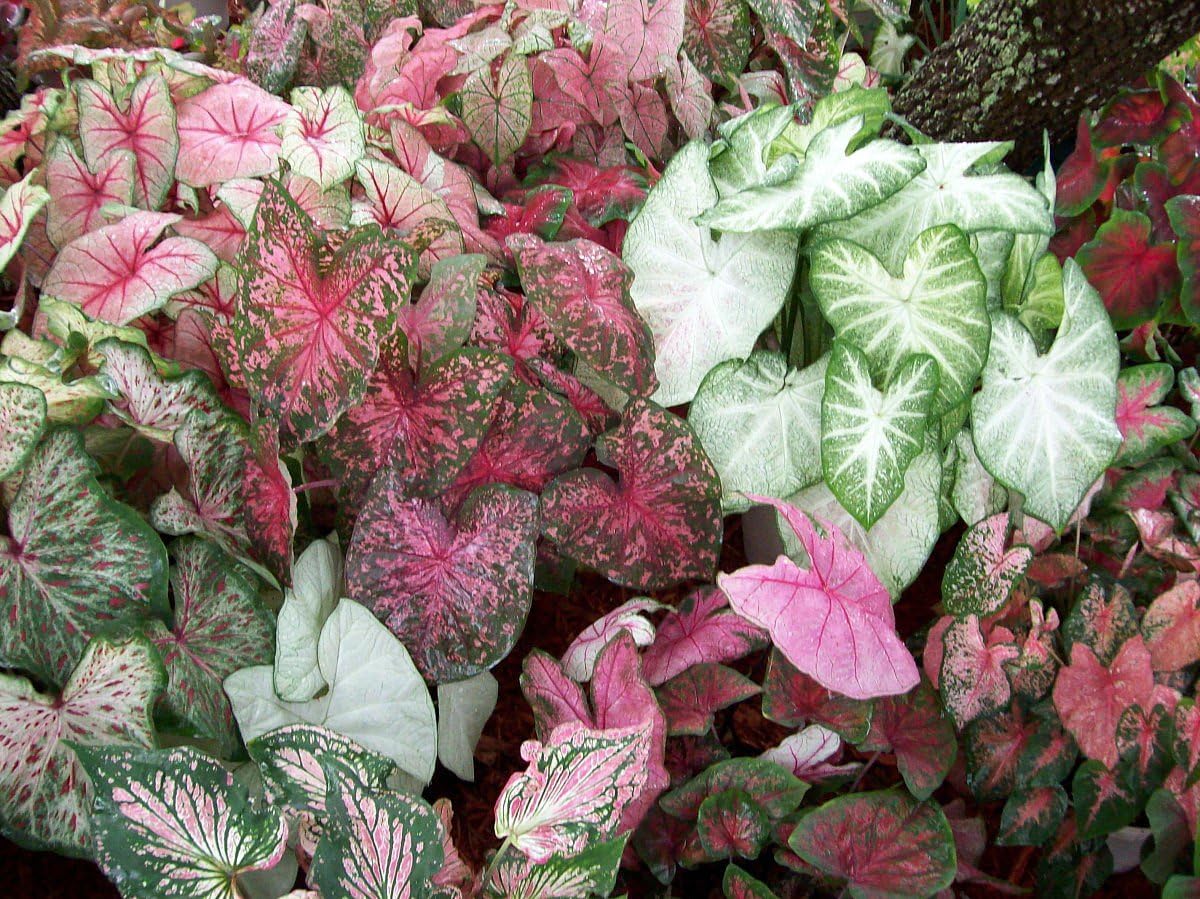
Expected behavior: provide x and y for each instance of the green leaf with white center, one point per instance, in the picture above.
(937, 307)
(760, 424)
(322, 136)
(828, 185)
(22, 420)
(706, 301)
(975, 495)
(463, 709)
(174, 824)
(868, 437)
(75, 401)
(316, 587)
(1045, 425)
(592, 872)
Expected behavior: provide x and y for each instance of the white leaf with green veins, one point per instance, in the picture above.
(1044, 425)
(869, 438)
(316, 588)
(739, 160)
(705, 300)
(937, 307)
(760, 424)
(464, 707)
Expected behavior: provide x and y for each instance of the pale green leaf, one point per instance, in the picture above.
(322, 137)
(463, 709)
(316, 588)
(497, 111)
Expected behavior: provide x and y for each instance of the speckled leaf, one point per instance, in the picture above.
(497, 105)
(592, 872)
(1103, 801)
(175, 824)
(322, 137)
(274, 46)
(22, 420)
(731, 824)
(1171, 626)
(441, 319)
(1102, 618)
(1134, 273)
(973, 681)
(1145, 425)
(579, 660)
(882, 843)
(45, 796)
(219, 626)
(919, 733)
(309, 322)
(702, 629)
(737, 884)
(716, 36)
(18, 207)
(792, 698)
(76, 560)
(152, 404)
(317, 585)
(690, 698)
(81, 193)
(1032, 817)
(660, 524)
(229, 131)
(773, 787)
(583, 291)
(981, 575)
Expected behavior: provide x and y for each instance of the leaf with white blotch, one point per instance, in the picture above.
(1146, 427)
(45, 796)
(579, 661)
(322, 137)
(574, 791)
(807, 753)
(22, 420)
(868, 437)
(317, 585)
(81, 193)
(760, 424)
(592, 872)
(938, 307)
(229, 131)
(75, 562)
(153, 405)
(376, 697)
(175, 824)
(497, 106)
(463, 709)
(1045, 424)
(982, 574)
(705, 300)
(18, 207)
(219, 625)
(702, 629)
(829, 184)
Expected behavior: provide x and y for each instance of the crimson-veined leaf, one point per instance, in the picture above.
(274, 46)
(554, 698)
(737, 884)
(792, 698)
(1171, 626)
(973, 681)
(175, 824)
(702, 629)
(1134, 274)
(440, 321)
(80, 193)
(994, 748)
(810, 754)
(579, 660)
(638, 33)
(730, 824)
(919, 733)
(18, 207)
(1103, 802)
(497, 104)
(771, 785)
(45, 795)
(592, 872)
(22, 421)
(322, 137)
(1102, 618)
(601, 195)
(690, 698)
(317, 585)
(980, 577)
(716, 36)
(1145, 425)
(1032, 817)
(229, 131)
(464, 707)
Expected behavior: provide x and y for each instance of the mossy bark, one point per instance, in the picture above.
(1017, 67)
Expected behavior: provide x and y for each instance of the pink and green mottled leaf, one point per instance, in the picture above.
(1032, 817)
(81, 193)
(690, 698)
(833, 620)
(592, 872)
(919, 733)
(270, 511)
(1082, 175)
(175, 824)
(1147, 486)
(311, 318)
(731, 824)
(154, 405)
(74, 562)
(122, 271)
(994, 749)
(601, 194)
(45, 795)
(660, 523)
(322, 137)
(737, 884)
(275, 45)
(702, 629)
(440, 321)
(553, 696)
(716, 36)
(1144, 740)
(983, 572)
(22, 421)
(1049, 753)
(792, 698)
(1187, 740)
(1101, 619)
(229, 131)
(973, 681)
(579, 660)
(497, 106)
(1134, 274)
(773, 787)
(883, 843)
(1171, 626)
(1103, 802)
(1146, 426)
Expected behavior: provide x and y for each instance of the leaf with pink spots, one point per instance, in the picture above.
(660, 523)
(973, 681)
(22, 421)
(792, 698)
(229, 131)
(45, 796)
(690, 698)
(702, 629)
(919, 733)
(440, 321)
(730, 824)
(984, 570)
(1145, 425)
(81, 193)
(174, 823)
(1102, 618)
(312, 315)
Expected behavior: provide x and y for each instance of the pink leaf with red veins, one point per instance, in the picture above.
(833, 620)
(395, 200)
(79, 193)
(219, 229)
(690, 699)
(18, 211)
(702, 629)
(973, 681)
(1146, 427)
(508, 323)
(554, 697)
(601, 195)
(229, 131)
(118, 273)
(1090, 698)
(641, 34)
(810, 754)
(1172, 627)
(579, 661)
(643, 118)
(541, 212)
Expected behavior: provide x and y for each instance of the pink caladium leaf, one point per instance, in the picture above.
(592, 872)
(22, 423)
(583, 291)
(142, 123)
(220, 230)
(1104, 802)
(541, 213)
(1134, 274)
(275, 46)
(553, 696)
(1048, 754)
(984, 570)
(1171, 626)
(716, 36)
(879, 843)
(644, 118)
(454, 871)
(919, 733)
(810, 754)
(45, 796)
(702, 629)
(660, 523)
(774, 787)
(731, 824)
(579, 661)
(218, 626)
(1187, 740)
(1146, 427)
(834, 620)
(18, 208)
(174, 823)
(574, 791)
(122, 271)
(737, 884)
(601, 195)
(792, 698)
(74, 561)
(690, 698)
(456, 593)
(639, 34)
(81, 193)
(1102, 619)
(1032, 817)
(311, 316)
(229, 131)
(995, 747)
(270, 509)
(973, 681)
(440, 321)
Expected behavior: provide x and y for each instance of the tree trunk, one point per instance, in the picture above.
(1016, 67)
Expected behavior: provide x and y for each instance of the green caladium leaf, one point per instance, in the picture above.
(716, 36)
(868, 437)
(317, 585)
(1032, 817)
(760, 425)
(938, 307)
(463, 709)
(175, 824)
(1045, 424)
(75, 562)
(1104, 800)
(984, 570)
(45, 796)
(22, 420)
(739, 160)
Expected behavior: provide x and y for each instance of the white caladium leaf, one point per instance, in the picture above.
(593, 872)
(827, 185)
(322, 137)
(1045, 425)
(579, 661)
(760, 424)
(18, 206)
(316, 587)
(22, 420)
(45, 796)
(376, 696)
(175, 824)
(705, 300)
(938, 307)
(463, 709)
(868, 437)
(975, 495)
(739, 160)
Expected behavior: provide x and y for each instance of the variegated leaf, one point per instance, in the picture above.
(80, 194)
(18, 207)
(322, 137)
(702, 629)
(22, 420)
(983, 572)
(229, 131)
(497, 106)
(1145, 425)
(716, 36)
(973, 681)
(1032, 817)
(579, 661)
(592, 872)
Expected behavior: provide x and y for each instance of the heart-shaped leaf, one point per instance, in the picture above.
(229, 131)
(982, 574)
(972, 679)
(772, 786)
(322, 136)
(1103, 802)
(792, 698)
(716, 36)
(18, 207)
(497, 106)
(702, 629)
(1146, 427)
(1032, 817)
(737, 884)
(1184, 215)
(1102, 618)
(731, 824)
(80, 193)
(690, 698)
(22, 420)
(317, 585)
(440, 321)
(463, 709)
(915, 728)
(45, 795)
(1134, 274)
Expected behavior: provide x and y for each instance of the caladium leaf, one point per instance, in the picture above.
(553, 696)
(690, 698)
(1187, 740)
(995, 747)
(731, 824)
(317, 585)
(45, 795)
(1032, 817)
(175, 823)
(737, 884)
(1102, 618)
(322, 137)
(808, 754)
(74, 562)
(792, 698)
(1103, 802)
(833, 621)
(660, 524)
(1134, 274)
(22, 421)
(981, 576)
(916, 729)
(1171, 627)
(1184, 215)
(497, 106)
(702, 629)
(716, 36)
(122, 271)
(229, 131)
(869, 437)
(592, 872)
(760, 424)
(972, 680)
(440, 321)
(80, 194)
(937, 307)
(463, 709)
(775, 788)
(309, 322)
(705, 301)
(18, 207)
(1146, 427)
(882, 843)
(579, 661)
(1045, 424)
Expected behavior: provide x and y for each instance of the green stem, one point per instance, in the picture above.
(487, 874)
